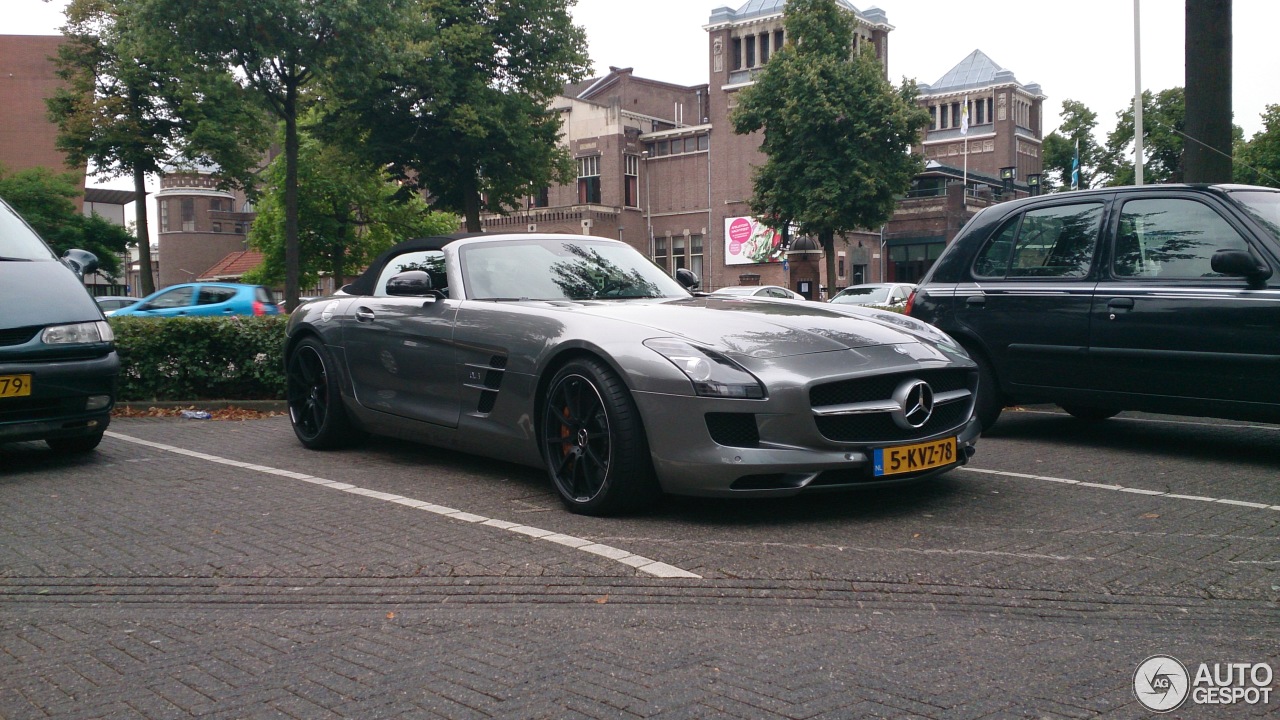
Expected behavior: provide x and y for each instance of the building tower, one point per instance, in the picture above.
(200, 225)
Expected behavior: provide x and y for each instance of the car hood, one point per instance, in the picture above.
(768, 329)
(41, 293)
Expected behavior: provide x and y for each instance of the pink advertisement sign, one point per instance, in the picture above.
(749, 242)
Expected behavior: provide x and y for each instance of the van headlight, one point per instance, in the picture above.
(78, 334)
(712, 374)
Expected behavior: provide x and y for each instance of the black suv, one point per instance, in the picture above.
(1156, 298)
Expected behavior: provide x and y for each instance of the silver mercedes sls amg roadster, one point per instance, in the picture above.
(579, 355)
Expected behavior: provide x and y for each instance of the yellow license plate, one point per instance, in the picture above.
(914, 458)
(15, 385)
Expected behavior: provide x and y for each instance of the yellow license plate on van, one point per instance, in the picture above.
(15, 386)
(914, 458)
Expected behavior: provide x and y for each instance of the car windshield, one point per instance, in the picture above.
(863, 295)
(1263, 205)
(557, 269)
(17, 241)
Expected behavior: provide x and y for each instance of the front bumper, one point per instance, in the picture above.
(56, 406)
(783, 450)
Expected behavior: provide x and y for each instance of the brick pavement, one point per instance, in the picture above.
(135, 584)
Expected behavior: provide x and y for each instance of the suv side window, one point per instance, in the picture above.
(1055, 241)
(1171, 238)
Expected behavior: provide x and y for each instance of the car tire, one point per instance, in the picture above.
(1089, 414)
(593, 442)
(316, 411)
(75, 445)
(990, 401)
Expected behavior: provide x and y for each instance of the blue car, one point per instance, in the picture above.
(203, 299)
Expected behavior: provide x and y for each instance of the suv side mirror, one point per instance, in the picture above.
(1241, 263)
(81, 262)
(687, 278)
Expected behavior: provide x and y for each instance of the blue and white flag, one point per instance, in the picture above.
(1075, 168)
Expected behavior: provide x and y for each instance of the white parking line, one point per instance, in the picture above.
(639, 562)
(1121, 488)
(1162, 421)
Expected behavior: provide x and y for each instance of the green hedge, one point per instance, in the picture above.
(193, 358)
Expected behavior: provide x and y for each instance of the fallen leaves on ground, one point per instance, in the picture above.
(230, 413)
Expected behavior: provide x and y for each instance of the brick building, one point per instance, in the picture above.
(660, 167)
(199, 225)
(27, 79)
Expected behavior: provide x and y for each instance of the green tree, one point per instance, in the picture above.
(1258, 160)
(1078, 123)
(836, 133)
(1163, 122)
(463, 109)
(348, 212)
(119, 109)
(47, 201)
(283, 52)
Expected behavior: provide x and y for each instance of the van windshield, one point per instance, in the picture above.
(1263, 205)
(18, 241)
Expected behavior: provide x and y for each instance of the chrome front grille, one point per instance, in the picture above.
(862, 410)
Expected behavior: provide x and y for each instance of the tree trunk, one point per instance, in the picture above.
(471, 209)
(146, 282)
(828, 240)
(292, 252)
(1206, 155)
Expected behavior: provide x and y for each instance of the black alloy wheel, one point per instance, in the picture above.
(315, 405)
(593, 442)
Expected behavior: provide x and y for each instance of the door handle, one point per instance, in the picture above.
(364, 315)
(1120, 304)
(976, 301)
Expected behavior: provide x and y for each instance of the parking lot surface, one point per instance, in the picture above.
(216, 569)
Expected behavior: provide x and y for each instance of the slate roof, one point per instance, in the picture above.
(974, 72)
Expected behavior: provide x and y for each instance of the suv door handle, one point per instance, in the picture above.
(364, 315)
(1123, 303)
(976, 300)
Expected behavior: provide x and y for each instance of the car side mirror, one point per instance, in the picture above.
(411, 283)
(687, 278)
(81, 262)
(1241, 263)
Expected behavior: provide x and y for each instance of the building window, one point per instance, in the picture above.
(778, 37)
(631, 176)
(695, 254)
(764, 48)
(217, 227)
(660, 253)
(704, 142)
(980, 111)
(942, 117)
(164, 216)
(840, 270)
(678, 259)
(589, 180)
(188, 214)
(542, 199)
(751, 51)
(933, 117)
(737, 53)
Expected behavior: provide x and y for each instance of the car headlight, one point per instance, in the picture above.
(78, 334)
(712, 374)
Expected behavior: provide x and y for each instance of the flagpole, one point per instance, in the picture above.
(1137, 93)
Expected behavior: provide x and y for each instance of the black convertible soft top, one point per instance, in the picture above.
(363, 285)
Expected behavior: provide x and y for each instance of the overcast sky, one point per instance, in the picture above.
(1077, 49)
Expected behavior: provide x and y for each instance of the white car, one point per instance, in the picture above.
(768, 291)
(881, 294)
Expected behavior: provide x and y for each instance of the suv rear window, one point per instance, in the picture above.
(1055, 241)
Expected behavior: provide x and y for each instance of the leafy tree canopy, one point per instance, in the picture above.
(836, 133)
(1059, 151)
(1163, 122)
(47, 201)
(1258, 160)
(462, 108)
(348, 211)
